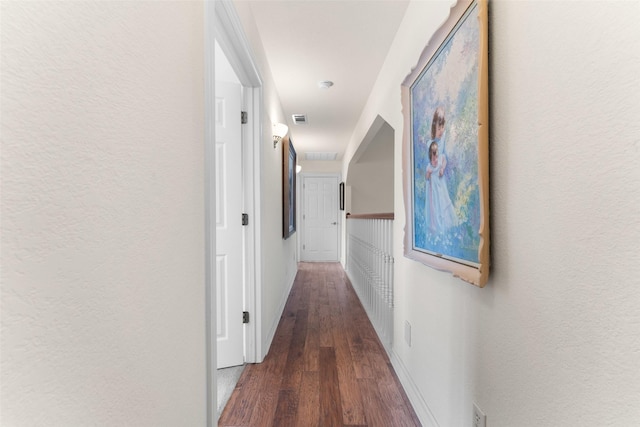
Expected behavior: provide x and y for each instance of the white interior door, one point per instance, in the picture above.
(320, 218)
(229, 285)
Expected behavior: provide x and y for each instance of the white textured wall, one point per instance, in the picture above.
(102, 214)
(319, 166)
(554, 337)
(371, 186)
(279, 265)
(370, 180)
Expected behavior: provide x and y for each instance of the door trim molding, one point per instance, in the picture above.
(209, 213)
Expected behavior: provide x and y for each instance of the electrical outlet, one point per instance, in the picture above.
(479, 418)
(407, 332)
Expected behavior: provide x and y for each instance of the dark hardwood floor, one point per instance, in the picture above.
(326, 366)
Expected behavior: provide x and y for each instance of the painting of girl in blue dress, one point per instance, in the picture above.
(444, 144)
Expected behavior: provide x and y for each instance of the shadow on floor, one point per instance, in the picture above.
(227, 380)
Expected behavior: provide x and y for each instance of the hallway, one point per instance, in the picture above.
(326, 366)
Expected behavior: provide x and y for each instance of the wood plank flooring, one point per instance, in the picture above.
(326, 366)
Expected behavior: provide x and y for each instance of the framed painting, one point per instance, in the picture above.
(341, 195)
(289, 160)
(445, 101)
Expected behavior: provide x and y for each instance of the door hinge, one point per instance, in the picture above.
(245, 219)
(244, 117)
(245, 317)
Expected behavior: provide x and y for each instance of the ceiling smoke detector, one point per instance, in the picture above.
(325, 84)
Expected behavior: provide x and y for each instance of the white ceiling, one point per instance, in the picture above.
(307, 41)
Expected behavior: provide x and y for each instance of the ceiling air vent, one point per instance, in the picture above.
(321, 155)
(299, 119)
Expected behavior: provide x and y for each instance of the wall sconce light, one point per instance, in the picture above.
(279, 131)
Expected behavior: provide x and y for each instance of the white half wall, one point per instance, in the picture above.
(552, 340)
(102, 203)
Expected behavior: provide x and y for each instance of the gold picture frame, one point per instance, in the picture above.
(289, 162)
(445, 101)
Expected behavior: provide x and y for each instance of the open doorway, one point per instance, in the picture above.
(237, 172)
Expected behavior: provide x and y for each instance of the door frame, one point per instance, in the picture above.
(230, 36)
(222, 23)
(301, 197)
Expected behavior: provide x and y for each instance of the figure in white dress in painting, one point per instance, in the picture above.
(439, 212)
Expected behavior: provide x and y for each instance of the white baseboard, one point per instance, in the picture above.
(417, 401)
(266, 344)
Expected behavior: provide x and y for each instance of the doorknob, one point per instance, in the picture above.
(333, 223)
